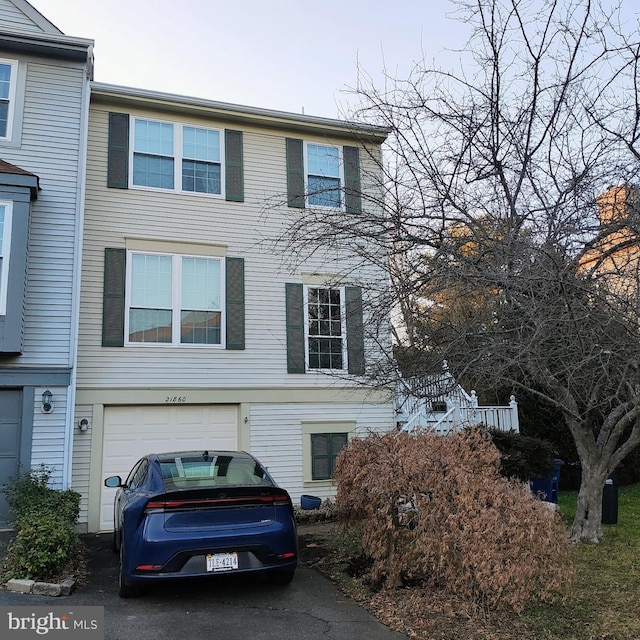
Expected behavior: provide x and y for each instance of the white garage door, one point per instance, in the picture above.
(132, 432)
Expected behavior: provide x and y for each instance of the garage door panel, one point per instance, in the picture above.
(132, 432)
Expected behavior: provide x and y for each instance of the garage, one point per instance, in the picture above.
(132, 432)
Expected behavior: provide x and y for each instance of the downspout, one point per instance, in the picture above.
(77, 270)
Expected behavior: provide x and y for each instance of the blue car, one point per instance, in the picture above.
(201, 513)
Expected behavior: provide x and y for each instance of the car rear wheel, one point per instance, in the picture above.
(281, 576)
(125, 590)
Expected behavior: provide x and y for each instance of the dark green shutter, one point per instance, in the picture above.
(118, 153)
(295, 327)
(295, 173)
(234, 268)
(355, 330)
(113, 298)
(234, 166)
(352, 189)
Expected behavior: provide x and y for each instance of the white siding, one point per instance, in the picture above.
(114, 214)
(81, 468)
(273, 403)
(276, 436)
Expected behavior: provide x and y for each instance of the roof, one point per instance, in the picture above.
(168, 102)
(23, 178)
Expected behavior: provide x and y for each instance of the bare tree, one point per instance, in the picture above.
(498, 254)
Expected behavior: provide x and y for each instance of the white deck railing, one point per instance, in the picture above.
(414, 412)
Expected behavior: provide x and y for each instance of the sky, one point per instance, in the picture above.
(288, 55)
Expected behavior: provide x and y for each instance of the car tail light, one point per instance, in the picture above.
(149, 567)
(286, 556)
(190, 503)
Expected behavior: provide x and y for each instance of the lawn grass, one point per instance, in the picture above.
(602, 604)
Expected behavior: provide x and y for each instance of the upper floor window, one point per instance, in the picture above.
(174, 299)
(326, 345)
(324, 176)
(175, 156)
(5, 243)
(8, 70)
(325, 328)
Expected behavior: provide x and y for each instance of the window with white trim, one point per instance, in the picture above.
(324, 175)
(8, 73)
(174, 299)
(5, 244)
(326, 331)
(177, 157)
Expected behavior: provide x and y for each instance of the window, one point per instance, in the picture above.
(8, 70)
(174, 299)
(174, 156)
(325, 330)
(439, 406)
(5, 243)
(201, 161)
(323, 175)
(325, 448)
(153, 154)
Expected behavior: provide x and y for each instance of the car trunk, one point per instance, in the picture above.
(207, 509)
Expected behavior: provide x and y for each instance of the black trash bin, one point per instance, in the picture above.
(610, 501)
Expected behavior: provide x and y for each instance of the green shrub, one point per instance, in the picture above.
(42, 546)
(44, 520)
(434, 513)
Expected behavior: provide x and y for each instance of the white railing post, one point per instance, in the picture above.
(515, 422)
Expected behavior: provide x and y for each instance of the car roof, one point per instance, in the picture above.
(211, 453)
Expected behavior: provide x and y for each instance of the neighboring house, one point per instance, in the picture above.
(440, 403)
(44, 88)
(615, 260)
(193, 331)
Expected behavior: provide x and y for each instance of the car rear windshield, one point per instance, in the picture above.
(211, 471)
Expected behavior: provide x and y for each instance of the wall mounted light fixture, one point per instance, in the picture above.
(83, 424)
(47, 404)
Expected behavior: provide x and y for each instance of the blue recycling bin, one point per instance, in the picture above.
(546, 488)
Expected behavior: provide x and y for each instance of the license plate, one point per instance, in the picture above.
(222, 561)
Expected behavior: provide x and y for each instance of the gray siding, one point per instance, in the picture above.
(51, 133)
(12, 18)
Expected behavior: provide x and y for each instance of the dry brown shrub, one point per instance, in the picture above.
(433, 511)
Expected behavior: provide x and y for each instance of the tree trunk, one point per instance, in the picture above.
(587, 524)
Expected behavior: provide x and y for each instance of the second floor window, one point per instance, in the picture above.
(7, 90)
(5, 240)
(325, 330)
(175, 299)
(323, 176)
(175, 156)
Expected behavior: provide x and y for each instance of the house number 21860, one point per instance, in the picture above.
(174, 399)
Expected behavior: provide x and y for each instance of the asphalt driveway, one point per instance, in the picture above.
(233, 608)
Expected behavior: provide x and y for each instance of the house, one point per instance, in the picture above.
(44, 89)
(438, 402)
(614, 260)
(195, 331)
